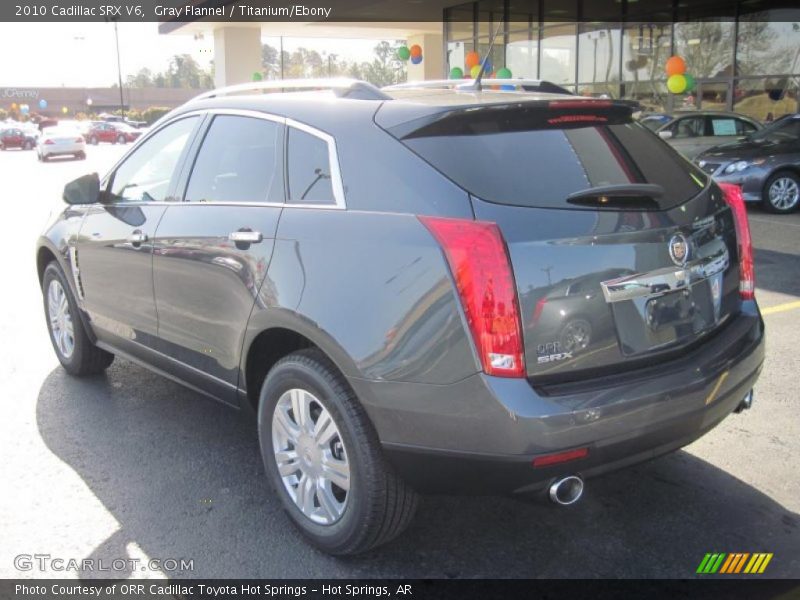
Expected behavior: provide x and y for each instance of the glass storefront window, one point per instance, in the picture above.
(598, 52)
(456, 52)
(497, 59)
(765, 46)
(652, 95)
(490, 14)
(460, 22)
(645, 50)
(522, 54)
(558, 53)
(599, 90)
(766, 99)
(706, 46)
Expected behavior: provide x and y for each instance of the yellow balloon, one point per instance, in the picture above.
(64, 109)
(474, 71)
(676, 84)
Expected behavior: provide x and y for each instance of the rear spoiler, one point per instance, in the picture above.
(468, 85)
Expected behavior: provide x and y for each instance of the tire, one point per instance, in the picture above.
(377, 506)
(39, 157)
(781, 193)
(81, 156)
(45, 158)
(120, 139)
(27, 146)
(84, 358)
(3, 147)
(93, 140)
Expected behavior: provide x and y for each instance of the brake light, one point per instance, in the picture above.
(479, 262)
(747, 273)
(570, 104)
(49, 142)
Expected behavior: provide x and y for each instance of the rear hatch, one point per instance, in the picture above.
(623, 252)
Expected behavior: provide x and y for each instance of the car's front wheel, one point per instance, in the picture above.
(93, 140)
(75, 351)
(121, 139)
(782, 192)
(324, 459)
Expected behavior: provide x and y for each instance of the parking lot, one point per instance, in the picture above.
(131, 465)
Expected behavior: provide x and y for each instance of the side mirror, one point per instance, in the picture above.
(83, 190)
(665, 135)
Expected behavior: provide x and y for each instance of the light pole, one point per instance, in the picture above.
(119, 72)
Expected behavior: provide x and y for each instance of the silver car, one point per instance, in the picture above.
(694, 132)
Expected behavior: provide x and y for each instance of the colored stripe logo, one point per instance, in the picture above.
(734, 563)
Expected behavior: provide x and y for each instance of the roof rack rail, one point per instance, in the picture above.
(527, 85)
(342, 87)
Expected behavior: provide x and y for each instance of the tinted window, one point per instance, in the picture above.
(309, 169)
(146, 174)
(239, 161)
(689, 127)
(530, 161)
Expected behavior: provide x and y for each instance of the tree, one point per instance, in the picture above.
(142, 79)
(184, 72)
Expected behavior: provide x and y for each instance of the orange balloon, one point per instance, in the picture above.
(472, 59)
(416, 50)
(675, 66)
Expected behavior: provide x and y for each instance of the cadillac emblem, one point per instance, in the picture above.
(679, 249)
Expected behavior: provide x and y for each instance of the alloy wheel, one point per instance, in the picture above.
(60, 319)
(784, 193)
(311, 457)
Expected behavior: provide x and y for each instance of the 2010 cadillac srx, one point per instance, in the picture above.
(415, 289)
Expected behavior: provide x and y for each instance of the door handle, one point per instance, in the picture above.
(245, 236)
(137, 237)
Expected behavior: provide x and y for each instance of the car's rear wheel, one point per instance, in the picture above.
(75, 351)
(782, 192)
(28, 146)
(324, 459)
(120, 139)
(93, 140)
(81, 155)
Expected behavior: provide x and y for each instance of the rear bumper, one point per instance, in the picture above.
(481, 434)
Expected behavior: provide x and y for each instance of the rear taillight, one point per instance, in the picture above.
(747, 273)
(478, 259)
(49, 142)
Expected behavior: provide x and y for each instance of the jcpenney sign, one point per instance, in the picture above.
(19, 93)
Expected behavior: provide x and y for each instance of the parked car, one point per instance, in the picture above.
(60, 141)
(360, 269)
(654, 121)
(114, 133)
(766, 165)
(692, 132)
(122, 120)
(15, 137)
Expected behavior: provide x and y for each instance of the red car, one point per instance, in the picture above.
(116, 133)
(13, 137)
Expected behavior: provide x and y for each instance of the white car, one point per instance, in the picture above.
(61, 141)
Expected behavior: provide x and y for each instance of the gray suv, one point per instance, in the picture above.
(415, 289)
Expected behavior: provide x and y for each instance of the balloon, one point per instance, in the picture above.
(257, 76)
(42, 103)
(675, 66)
(472, 59)
(415, 60)
(489, 68)
(676, 84)
(13, 106)
(474, 71)
(508, 88)
(456, 73)
(403, 53)
(690, 82)
(64, 109)
(24, 109)
(415, 50)
(504, 73)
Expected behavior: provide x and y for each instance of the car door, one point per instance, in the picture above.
(212, 250)
(687, 134)
(721, 129)
(113, 254)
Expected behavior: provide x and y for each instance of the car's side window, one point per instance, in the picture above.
(688, 127)
(146, 174)
(744, 127)
(723, 126)
(309, 169)
(241, 160)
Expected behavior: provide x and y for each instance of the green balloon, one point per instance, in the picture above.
(257, 76)
(503, 73)
(456, 73)
(403, 53)
(690, 82)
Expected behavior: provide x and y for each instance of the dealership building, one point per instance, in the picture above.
(744, 56)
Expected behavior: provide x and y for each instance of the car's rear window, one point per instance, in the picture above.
(537, 157)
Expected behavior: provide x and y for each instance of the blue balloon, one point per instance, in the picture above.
(415, 60)
(488, 67)
(508, 88)
(24, 109)
(42, 103)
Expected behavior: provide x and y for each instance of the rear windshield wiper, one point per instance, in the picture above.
(631, 196)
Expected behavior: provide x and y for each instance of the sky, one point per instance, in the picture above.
(84, 55)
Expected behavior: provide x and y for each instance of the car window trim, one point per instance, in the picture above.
(333, 165)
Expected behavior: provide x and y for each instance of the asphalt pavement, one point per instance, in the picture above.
(129, 465)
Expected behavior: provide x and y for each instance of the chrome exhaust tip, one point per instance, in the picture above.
(567, 490)
(746, 403)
